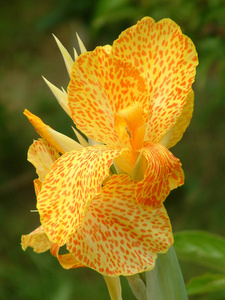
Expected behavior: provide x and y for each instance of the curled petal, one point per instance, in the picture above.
(100, 86)
(118, 236)
(75, 178)
(37, 240)
(42, 155)
(183, 121)
(167, 59)
(162, 174)
(67, 261)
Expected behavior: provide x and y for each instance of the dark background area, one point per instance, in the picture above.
(27, 51)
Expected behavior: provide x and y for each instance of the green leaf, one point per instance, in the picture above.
(202, 248)
(205, 284)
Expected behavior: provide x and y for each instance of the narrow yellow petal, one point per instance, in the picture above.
(66, 56)
(61, 96)
(114, 287)
(75, 54)
(41, 129)
(94, 142)
(81, 45)
(66, 143)
(80, 138)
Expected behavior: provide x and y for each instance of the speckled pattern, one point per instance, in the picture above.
(74, 179)
(163, 169)
(118, 236)
(100, 86)
(167, 59)
(37, 239)
(42, 155)
(183, 121)
(128, 97)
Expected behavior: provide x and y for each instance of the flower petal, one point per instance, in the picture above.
(80, 138)
(42, 156)
(162, 174)
(183, 121)
(58, 140)
(61, 96)
(67, 261)
(37, 239)
(65, 54)
(74, 179)
(118, 236)
(81, 44)
(167, 60)
(100, 86)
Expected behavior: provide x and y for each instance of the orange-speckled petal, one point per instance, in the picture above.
(74, 179)
(100, 86)
(37, 240)
(67, 261)
(163, 173)
(42, 155)
(118, 236)
(37, 186)
(167, 60)
(183, 121)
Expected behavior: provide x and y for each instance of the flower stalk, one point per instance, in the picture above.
(165, 281)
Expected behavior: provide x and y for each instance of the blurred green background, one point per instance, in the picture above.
(28, 51)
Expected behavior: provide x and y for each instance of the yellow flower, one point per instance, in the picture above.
(134, 101)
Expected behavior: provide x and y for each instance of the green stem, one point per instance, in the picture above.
(137, 286)
(165, 281)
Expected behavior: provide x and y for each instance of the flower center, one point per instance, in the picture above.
(130, 125)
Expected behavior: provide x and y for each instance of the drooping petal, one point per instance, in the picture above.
(42, 156)
(37, 240)
(167, 60)
(67, 261)
(118, 236)
(74, 179)
(58, 140)
(162, 174)
(100, 86)
(61, 96)
(183, 121)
